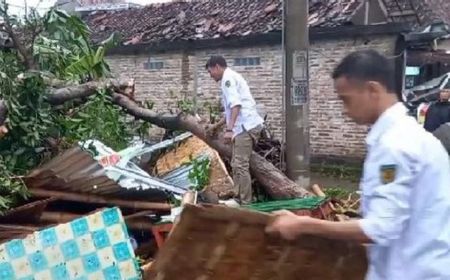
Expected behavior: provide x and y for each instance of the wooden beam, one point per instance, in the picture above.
(89, 198)
(63, 217)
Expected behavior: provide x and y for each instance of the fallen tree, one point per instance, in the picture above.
(272, 179)
(276, 184)
(43, 92)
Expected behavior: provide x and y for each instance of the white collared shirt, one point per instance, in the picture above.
(235, 91)
(406, 200)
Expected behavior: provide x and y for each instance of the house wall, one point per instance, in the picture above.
(332, 135)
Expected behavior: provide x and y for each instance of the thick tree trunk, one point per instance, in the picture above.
(273, 180)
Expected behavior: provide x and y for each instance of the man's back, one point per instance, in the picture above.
(416, 242)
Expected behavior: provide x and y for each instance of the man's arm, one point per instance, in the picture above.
(234, 114)
(291, 226)
(233, 102)
(346, 230)
(388, 209)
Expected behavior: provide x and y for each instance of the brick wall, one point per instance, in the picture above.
(331, 132)
(184, 75)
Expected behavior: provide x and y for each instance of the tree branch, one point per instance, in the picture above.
(24, 55)
(62, 95)
(162, 120)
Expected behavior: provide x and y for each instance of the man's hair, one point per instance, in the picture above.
(216, 60)
(367, 65)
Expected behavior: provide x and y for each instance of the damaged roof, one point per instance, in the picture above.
(210, 19)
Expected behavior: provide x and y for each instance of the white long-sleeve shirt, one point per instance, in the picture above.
(235, 91)
(406, 200)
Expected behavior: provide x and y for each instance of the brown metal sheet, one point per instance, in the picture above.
(74, 170)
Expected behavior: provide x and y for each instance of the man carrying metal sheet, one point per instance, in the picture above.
(405, 185)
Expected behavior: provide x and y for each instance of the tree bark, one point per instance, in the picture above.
(62, 95)
(273, 180)
(25, 55)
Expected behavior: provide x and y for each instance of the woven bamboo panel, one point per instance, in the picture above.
(219, 243)
(219, 180)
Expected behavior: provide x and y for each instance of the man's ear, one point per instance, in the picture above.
(375, 88)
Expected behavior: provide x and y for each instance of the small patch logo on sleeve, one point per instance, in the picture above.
(388, 173)
(227, 83)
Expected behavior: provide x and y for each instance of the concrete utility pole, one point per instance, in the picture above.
(296, 44)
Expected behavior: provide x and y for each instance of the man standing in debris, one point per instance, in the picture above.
(405, 187)
(243, 123)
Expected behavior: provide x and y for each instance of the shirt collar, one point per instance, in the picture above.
(385, 121)
(225, 73)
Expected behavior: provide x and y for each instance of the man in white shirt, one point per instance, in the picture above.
(243, 123)
(405, 185)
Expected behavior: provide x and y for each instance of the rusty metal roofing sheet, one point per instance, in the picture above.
(76, 171)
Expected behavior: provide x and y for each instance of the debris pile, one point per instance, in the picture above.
(91, 177)
(151, 184)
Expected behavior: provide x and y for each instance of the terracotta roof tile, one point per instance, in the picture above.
(208, 19)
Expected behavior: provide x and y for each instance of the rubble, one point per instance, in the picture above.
(142, 180)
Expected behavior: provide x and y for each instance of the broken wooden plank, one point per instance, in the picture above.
(89, 198)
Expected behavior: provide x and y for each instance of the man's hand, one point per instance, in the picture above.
(288, 225)
(228, 137)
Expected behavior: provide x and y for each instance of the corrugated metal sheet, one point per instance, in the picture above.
(76, 171)
(180, 176)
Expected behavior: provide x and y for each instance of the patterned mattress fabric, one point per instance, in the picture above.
(94, 247)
